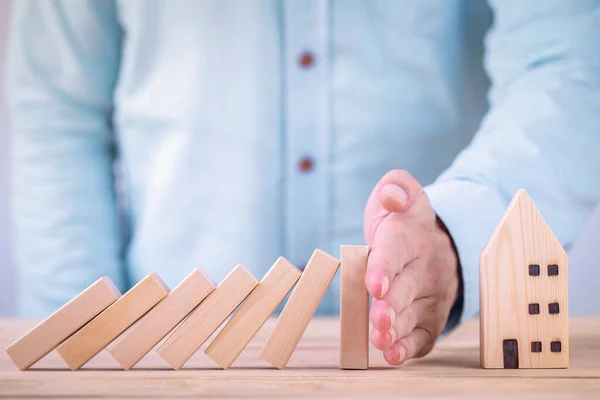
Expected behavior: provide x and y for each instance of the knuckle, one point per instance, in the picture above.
(411, 318)
(410, 286)
(425, 350)
(431, 308)
(433, 275)
(380, 261)
(428, 345)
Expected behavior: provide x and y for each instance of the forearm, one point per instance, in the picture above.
(65, 224)
(540, 133)
(65, 227)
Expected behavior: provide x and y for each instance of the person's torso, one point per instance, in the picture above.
(255, 129)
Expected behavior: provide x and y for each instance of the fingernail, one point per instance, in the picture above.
(393, 335)
(395, 191)
(385, 285)
(392, 355)
(402, 354)
(392, 314)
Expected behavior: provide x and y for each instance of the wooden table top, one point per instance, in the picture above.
(450, 371)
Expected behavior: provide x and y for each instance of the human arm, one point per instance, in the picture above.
(62, 67)
(539, 134)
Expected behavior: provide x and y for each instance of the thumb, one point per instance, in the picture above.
(399, 191)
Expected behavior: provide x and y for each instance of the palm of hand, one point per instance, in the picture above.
(412, 269)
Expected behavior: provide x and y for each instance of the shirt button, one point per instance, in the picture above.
(306, 59)
(306, 164)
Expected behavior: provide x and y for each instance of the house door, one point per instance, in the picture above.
(510, 350)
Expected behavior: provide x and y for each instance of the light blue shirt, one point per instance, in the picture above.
(209, 111)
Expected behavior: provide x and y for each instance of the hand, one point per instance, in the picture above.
(412, 270)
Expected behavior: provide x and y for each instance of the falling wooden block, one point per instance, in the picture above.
(523, 293)
(253, 313)
(299, 309)
(186, 339)
(354, 308)
(103, 329)
(52, 331)
(158, 322)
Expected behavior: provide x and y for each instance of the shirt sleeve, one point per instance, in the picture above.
(62, 66)
(541, 132)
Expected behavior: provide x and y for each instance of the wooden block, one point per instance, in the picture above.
(299, 309)
(523, 293)
(52, 331)
(354, 308)
(158, 322)
(99, 332)
(253, 313)
(184, 341)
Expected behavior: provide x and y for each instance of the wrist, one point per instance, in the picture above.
(451, 251)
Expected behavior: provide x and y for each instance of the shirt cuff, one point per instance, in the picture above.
(470, 212)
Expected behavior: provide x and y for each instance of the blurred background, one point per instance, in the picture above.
(7, 274)
(583, 262)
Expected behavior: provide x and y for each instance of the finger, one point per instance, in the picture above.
(398, 191)
(401, 193)
(400, 326)
(407, 286)
(382, 340)
(408, 347)
(392, 250)
(382, 315)
(374, 214)
(408, 320)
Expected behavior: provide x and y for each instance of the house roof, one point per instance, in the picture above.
(524, 211)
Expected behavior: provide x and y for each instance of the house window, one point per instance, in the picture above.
(555, 347)
(536, 347)
(534, 270)
(553, 308)
(534, 308)
(552, 270)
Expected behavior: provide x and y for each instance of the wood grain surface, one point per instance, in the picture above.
(61, 324)
(253, 313)
(529, 309)
(112, 322)
(451, 371)
(299, 309)
(354, 308)
(187, 338)
(158, 322)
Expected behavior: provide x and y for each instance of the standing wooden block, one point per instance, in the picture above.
(253, 313)
(99, 332)
(354, 308)
(49, 333)
(148, 331)
(523, 293)
(299, 309)
(184, 341)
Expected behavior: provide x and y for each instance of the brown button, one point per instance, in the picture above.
(306, 164)
(306, 59)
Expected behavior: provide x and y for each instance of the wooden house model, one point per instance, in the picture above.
(524, 320)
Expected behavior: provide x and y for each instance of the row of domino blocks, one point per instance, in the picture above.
(131, 325)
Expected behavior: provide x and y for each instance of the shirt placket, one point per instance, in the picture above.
(306, 127)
